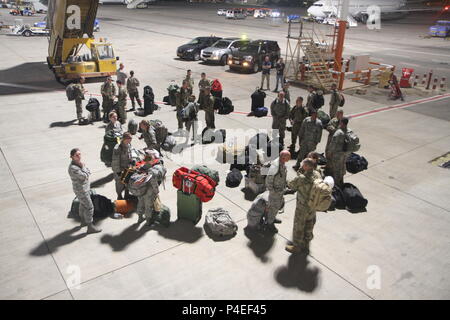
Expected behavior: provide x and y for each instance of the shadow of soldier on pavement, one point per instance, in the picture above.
(121, 241)
(260, 243)
(297, 274)
(51, 245)
(180, 230)
(63, 124)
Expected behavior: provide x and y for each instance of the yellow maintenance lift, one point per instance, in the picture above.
(73, 52)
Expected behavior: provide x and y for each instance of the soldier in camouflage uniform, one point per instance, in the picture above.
(334, 101)
(304, 218)
(79, 174)
(332, 127)
(190, 81)
(122, 102)
(297, 115)
(182, 100)
(114, 124)
(336, 153)
(132, 87)
(276, 184)
(149, 202)
(203, 84)
(280, 111)
(108, 91)
(287, 94)
(192, 121)
(208, 107)
(122, 159)
(149, 135)
(310, 99)
(310, 136)
(79, 96)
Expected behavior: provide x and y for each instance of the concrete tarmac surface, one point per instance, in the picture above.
(398, 249)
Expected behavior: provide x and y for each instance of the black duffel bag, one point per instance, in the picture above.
(338, 196)
(354, 200)
(356, 163)
(234, 179)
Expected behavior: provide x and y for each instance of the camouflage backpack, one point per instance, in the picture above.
(320, 196)
(351, 142)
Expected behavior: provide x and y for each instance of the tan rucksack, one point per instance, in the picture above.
(320, 199)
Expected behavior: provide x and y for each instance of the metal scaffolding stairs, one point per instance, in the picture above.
(317, 63)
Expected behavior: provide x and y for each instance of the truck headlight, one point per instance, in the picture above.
(190, 50)
(248, 58)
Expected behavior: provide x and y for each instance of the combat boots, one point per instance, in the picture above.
(293, 249)
(141, 219)
(93, 229)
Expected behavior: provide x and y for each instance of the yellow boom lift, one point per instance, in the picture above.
(73, 52)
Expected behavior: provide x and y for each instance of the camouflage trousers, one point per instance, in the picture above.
(294, 134)
(134, 95)
(338, 167)
(305, 148)
(280, 125)
(86, 210)
(304, 221)
(120, 187)
(210, 119)
(79, 106)
(122, 111)
(180, 121)
(333, 110)
(276, 201)
(107, 104)
(146, 204)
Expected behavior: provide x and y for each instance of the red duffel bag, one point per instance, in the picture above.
(190, 181)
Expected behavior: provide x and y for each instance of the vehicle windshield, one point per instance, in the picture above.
(250, 48)
(221, 44)
(194, 41)
(105, 52)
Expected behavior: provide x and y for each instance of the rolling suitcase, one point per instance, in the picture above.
(189, 207)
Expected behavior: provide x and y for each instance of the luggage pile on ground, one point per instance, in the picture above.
(103, 207)
(171, 98)
(213, 174)
(226, 106)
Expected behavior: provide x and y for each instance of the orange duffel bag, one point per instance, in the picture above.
(190, 181)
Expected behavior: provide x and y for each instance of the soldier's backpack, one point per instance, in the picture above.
(320, 199)
(234, 178)
(149, 101)
(356, 163)
(161, 131)
(226, 107)
(137, 184)
(213, 174)
(351, 142)
(193, 182)
(318, 101)
(208, 136)
(257, 99)
(132, 126)
(169, 144)
(323, 117)
(219, 222)
(172, 90)
(71, 92)
(261, 112)
(341, 100)
(159, 171)
(163, 217)
(338, 196)
(103, 207)
(354, 200)
(92, 105)
(110, 139)
(258, 210)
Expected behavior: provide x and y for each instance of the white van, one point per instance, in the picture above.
(236, 14)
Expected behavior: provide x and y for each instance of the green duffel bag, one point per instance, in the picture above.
(163, 217)
(213, 174)
(325, 118)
